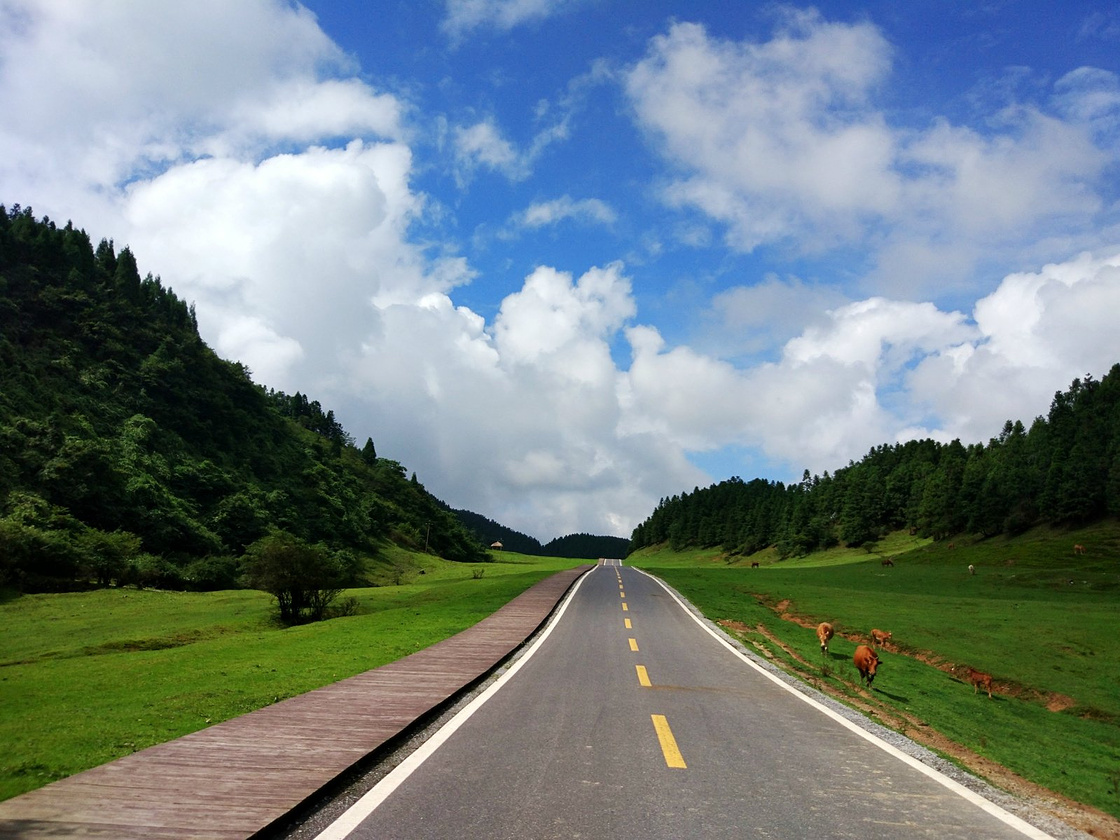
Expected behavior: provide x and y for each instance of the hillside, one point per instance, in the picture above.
(131, 453)
(1063, 471)
(573, 546)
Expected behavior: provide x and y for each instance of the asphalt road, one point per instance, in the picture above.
(631, 720)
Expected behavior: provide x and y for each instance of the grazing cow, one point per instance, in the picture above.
(878, 637)
(978, 678)
(888, 561)
(824, 633)
(1078, 549)
(867, 663)
(971, 569)
(754, 565)
(952, 546)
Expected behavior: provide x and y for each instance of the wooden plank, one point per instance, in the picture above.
(231, 780)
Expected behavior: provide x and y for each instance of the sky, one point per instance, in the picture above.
(564, 258)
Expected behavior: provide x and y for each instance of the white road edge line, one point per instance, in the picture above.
(978, 800)
(356, 813)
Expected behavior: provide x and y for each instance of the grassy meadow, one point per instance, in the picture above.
(1044, 622)
(88, 677)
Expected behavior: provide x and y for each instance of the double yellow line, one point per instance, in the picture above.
(669, 748)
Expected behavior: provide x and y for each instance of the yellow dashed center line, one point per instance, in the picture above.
(634, 645)
(643, 677)
(624, 607)
(626, 621)
(673, 757)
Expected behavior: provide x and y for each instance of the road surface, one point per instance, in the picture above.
(630, 719)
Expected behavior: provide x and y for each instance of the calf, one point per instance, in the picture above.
(824, 633)
(878, 637)
(978, 678)
(1078, 549)
(867, 663)
(888, 561)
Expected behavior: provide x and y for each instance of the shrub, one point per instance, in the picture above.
(213, 573)
(303, 578)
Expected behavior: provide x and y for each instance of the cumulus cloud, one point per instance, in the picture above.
(108, 88)
(753, 319)
(238, 154)
(1033, 330)
(521, 416)
(878, 370)
(782, 141)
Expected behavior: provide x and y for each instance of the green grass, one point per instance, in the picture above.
(1043, 622)
(89, 677)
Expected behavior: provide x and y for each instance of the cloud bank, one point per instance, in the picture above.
(284, 206)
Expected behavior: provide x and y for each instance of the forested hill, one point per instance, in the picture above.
(1064, 471)
(130, 452)
(575, 546)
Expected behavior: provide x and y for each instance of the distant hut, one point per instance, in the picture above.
(496, 545)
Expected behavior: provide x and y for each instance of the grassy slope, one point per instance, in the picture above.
(1043, 622)
(88, 677)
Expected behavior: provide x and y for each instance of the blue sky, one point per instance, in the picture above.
(562, 258)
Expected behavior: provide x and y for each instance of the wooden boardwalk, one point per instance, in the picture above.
(234, 779)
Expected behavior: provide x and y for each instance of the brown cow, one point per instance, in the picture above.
(867, 663)
(888, 561)
(878, 637)
(1078, 549)
(754, 565)
(978, 678)
(824, 633)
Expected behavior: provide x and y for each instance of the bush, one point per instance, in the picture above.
(150, 572)
(303, 578)
(213, 573)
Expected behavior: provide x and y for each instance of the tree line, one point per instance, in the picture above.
(131, 453)
(1064, 470)
(575, 546)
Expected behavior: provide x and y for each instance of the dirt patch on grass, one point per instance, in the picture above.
(1083, 817)
(1060, 702)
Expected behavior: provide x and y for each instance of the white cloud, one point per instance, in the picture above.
(876, 371)
(464, 16)
(783, 143)
(553, 212)
(1091, 96)
(108, 86)
(1035, 328)
(774, 138)
(521, 418)
(482, 145)
(751, 319)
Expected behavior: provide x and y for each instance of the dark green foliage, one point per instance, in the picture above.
(304, 579)
(574, 546)
(586, 547)
(1064, 471)
(489, 532)
(131, 453)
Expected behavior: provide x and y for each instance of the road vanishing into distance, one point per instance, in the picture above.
(629, 718)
